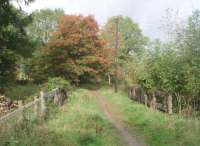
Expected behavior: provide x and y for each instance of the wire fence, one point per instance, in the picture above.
(18, 119)
(26, 115)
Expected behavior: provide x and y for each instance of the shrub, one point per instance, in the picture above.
(58, 82)
(22, 92)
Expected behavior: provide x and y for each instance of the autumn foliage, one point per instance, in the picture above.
(76, 51)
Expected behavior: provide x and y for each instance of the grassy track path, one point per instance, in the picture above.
(114, 118)
(104, 118)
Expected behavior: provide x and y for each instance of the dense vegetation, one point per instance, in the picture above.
(48, 43)
(49, 49)
(13, 41)
(75, 52)
(173, 67)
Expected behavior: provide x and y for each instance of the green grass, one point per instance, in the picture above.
(153, 127)
(79, 123)
(22, 92)
(83, 123)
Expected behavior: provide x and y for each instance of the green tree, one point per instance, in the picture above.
(131, 44)
(75, 52)
(45, 22)
(131, 39)
(189, 43)
(13, 40)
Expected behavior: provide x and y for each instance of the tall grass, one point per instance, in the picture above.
(79, 123)
(22, 92)
(154, 127)
(83, 122)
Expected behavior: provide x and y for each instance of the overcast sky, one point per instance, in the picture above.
(148, 13)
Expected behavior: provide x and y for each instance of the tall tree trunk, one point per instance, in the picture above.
(116, 55)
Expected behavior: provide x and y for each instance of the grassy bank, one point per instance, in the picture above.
(157, 129)
(79, 123)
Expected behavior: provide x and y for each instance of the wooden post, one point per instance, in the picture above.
(145, 99)
(109, 80)
(21, 116)
(43, 105)
(153, 102)
(134, 93)
(63, 97)
(130, 92)
(60, 97)
(36, 108)
(169, 104)
(56, 97)
(116, 84)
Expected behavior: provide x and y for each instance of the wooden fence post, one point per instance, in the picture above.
(36, 108)
(56, 98)
(133, 93)
(109, 80)
(43, 105)
(145, 99)
(21, 116)
(153, 102)
(169, 104)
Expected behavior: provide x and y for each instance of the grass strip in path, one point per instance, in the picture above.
(115, 118)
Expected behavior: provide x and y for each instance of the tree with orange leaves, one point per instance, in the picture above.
(76, 52)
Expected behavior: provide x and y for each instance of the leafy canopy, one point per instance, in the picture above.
(75, 52)
(13, 40)
(45, 22)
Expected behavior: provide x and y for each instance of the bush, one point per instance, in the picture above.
(22, 92)
(58, 82)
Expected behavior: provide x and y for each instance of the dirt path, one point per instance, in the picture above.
(114, 117)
